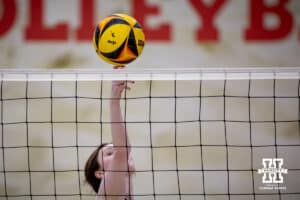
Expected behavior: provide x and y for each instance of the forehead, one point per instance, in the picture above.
(106, 147)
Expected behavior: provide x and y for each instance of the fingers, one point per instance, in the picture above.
(119, 67)
(132, 82)
(124, 84)
(122, 81)
(120, 86)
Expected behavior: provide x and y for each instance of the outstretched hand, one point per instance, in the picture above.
(118, 87)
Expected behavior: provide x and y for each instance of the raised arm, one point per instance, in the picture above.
(120, 139)
(116, 174)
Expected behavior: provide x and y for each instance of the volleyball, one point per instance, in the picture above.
(118, 39)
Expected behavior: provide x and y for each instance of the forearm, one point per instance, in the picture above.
(118, 128)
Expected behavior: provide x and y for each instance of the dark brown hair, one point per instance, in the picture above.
(91, 166)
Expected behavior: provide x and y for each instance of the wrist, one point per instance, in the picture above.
(115, 96)
(115, 100)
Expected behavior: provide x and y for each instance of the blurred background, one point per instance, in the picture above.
(51, 123)
(191, 33)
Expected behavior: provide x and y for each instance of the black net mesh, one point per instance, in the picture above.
(199, 138)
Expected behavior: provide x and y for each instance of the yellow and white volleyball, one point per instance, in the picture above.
(119, 39)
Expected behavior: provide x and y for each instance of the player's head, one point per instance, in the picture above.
(93, 168)
(98, 162)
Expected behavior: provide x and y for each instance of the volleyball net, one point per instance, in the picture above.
(198, 134)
